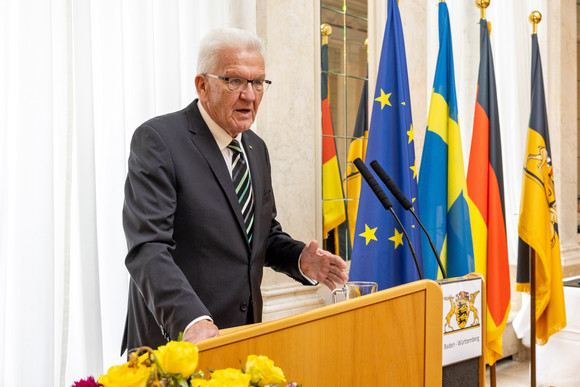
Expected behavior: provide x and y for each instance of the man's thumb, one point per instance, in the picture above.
(312, 247)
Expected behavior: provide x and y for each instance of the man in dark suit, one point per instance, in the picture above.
(196, 248)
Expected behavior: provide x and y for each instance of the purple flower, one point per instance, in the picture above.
(88, 382)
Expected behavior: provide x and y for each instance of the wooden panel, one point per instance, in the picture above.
(391, 338)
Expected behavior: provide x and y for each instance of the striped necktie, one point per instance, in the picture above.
(243, 186)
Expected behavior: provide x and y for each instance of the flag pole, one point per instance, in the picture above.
(482, 5)
(534, 18)
(532, 317)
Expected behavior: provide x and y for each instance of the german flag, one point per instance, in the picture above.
(332, 196)
(486, 201)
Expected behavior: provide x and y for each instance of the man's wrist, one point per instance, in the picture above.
(204, 317)
(312, 281)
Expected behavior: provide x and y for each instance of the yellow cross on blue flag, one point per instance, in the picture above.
(442, 184)
(380, 252)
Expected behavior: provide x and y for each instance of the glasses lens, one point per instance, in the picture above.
(235, 84)
(258, 86)
(264, 85)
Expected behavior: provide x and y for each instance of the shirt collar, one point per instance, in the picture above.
(222, 138)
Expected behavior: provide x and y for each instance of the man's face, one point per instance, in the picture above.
(235, 111)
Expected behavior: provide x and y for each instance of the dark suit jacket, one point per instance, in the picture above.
(188, 253)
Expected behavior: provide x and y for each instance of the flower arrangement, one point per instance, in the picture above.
(174, 365)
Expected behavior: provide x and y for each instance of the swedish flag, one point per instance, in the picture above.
(442, 185)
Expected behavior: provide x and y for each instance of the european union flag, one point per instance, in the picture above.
(380, 251)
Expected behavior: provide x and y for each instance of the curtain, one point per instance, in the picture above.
(76, 78)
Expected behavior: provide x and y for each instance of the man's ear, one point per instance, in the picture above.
(201, 85)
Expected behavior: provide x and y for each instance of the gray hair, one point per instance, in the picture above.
(216, 40)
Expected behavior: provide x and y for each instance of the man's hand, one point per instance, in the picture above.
(323, 266)
(201, 330)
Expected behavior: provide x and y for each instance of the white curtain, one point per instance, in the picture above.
(76, 78)
(511, 47)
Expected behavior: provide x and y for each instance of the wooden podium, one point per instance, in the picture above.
(389, 338)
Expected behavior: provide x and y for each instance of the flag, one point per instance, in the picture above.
(332, 196)
(538, 223)
(487, 203)
(357, 149)
(380, 252)
(442, 185)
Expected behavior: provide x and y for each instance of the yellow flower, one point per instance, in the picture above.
(199, 383)
(229, 377)
(126, 375)
(263, 370)
(178, 357)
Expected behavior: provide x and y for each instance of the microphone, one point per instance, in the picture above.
(406, 204)
(382, 196)
(368, 176)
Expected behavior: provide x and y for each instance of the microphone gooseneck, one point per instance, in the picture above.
(406, 204)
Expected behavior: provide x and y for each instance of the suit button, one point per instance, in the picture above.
(244, 306)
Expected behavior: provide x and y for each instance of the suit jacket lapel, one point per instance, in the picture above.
(205, 142)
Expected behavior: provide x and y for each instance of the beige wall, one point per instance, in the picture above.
(562, 98)
(289, 120)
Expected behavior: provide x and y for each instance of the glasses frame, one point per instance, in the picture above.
(265, 82)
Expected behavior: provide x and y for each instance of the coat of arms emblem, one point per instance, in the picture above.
(462, 304)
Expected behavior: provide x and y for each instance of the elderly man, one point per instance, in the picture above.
(199, 213)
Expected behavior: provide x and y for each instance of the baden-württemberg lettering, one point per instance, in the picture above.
(474, 339)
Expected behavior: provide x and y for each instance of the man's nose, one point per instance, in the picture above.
(248, 93)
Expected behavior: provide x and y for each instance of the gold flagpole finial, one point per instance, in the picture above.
(367, 48)
(482, 5)
(325, 30)
(535, 18)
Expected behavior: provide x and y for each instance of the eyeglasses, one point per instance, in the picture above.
(239, 84)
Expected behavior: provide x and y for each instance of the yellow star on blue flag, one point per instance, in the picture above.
(411, 134)
(384, 99)
(397, 238)
(369, 234)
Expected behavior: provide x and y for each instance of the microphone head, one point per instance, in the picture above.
(375, 187)
(397, 193)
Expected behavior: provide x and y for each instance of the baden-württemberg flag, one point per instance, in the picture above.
(380, 252)
(486, 205)
(538, 224)
(332, 197)
(442, 186)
